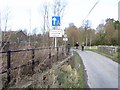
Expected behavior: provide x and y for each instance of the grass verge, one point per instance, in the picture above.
(71, 76)
(115, 57)
(80, 68)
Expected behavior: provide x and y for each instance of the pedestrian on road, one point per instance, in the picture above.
(82, 47)
(68, 48)
(76, 45)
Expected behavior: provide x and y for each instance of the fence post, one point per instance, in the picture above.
(8, 65)
(33, 57)
(49, 52)
(57, 53)
(62, 50)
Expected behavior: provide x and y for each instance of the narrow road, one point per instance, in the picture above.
(102, 72)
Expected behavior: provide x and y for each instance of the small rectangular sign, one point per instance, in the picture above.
(55, 33)
(65, 39)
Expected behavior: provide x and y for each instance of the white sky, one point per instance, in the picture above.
(75, 12)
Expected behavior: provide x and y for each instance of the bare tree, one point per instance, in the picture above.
(0, 32)
(5, 15)
(29, 39)
(0, 22)
(4, 20)
(44, 12)
(59, 7)
(45, 20)
(86, 25)
(34, 36)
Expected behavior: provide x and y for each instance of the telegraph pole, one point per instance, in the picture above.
(86, 38)
(87, 20)
(119, 11)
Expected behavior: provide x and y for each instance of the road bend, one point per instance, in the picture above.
(102, 72)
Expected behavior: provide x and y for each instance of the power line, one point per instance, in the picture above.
(91, 9)
(86, 37)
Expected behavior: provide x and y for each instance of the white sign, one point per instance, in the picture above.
(55, 33)
(65, 39)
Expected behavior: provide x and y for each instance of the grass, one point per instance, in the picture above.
(79, 69)
(115, 57)
(69, 79)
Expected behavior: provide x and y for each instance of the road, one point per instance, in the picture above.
(102, 72)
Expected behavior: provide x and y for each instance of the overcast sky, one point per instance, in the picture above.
(75, 12)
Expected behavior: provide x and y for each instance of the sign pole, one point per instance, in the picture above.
(55, 42)
(55, 39)
(55, 32)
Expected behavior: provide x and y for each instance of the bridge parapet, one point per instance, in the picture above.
(108, 49)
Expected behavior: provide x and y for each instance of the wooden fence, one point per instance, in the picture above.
(32, 59)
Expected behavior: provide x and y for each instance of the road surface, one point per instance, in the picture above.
(102, 72)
